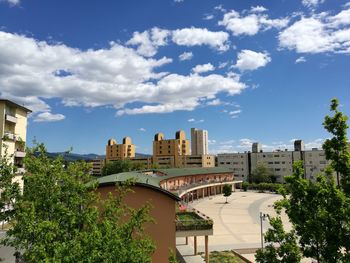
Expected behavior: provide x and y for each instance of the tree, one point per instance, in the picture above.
(227, 191)
(117, 166)
(320, 211)
(260, 174)
(60, 218)
(282, 247)
(336, 148)
(9, 190)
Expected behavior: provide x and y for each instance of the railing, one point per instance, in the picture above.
(10, 118)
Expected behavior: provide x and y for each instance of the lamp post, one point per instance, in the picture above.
(262, 218)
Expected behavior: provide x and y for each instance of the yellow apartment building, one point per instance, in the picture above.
(13, 131)
(123, 151)
(168, 153)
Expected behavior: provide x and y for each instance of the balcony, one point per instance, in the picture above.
(20, 154)
(9, 136)
(10, 118)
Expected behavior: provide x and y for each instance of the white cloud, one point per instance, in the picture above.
(201, 36)
(258, 9)
(220, 8)
(235, 113)
(142, 129)
(214, 102)
(12, 2)
(300, 60)
(149, 41)
(318, 33)
(208, 17)
(191, 120)
(116, 76)
(178, 1)
(48, 117)
(186, 56)
(251, 60)
(203, 68)
(250, 24)
(223, 64)
(195, 121)
(314, 144)
(211, 141)
(312, 3)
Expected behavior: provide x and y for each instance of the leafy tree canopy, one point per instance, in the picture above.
(60, 218)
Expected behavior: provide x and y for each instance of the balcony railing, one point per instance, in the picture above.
(10, 118)
(9, 136)
(20, 154)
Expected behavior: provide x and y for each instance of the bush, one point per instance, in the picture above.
(262, 187)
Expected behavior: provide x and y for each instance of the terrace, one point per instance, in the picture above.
(191, 222)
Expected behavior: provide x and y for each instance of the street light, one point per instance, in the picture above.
(262, 218)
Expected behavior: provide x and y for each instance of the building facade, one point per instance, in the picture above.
(13, 132)
(168, 153)
(199, 142)
(279, 163)
(123, 151)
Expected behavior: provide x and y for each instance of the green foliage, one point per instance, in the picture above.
(260, 174)
(118, 166)
(282, 246)
(60, 218)
(245, 186)
(262, 187)
(336, 147)
(172, 257)
(227, 190)
(9, 190)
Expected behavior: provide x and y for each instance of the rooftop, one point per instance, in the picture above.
(13, 104)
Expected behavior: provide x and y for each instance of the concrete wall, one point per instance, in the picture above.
(162, 211)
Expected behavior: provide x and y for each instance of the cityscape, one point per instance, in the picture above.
(178, 131)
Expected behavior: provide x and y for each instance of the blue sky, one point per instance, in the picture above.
(243, 70)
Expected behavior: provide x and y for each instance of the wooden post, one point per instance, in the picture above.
(195, 245)
(206, 250)
(186, 241)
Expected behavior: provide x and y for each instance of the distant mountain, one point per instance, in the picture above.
(72, 157)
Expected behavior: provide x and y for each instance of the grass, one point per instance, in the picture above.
(191, 221)
(223, 257)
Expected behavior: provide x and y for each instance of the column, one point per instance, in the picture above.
(206, 250)
(195, 245)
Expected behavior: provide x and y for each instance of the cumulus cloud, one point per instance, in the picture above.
(300, 60)
(251, 60)
(318, 33)
(208, 17)
(312, 3)
(214, 102)
(48, 117)
(201, 36)
(142, 129)
(252, 23)
(12, 2)
(191, 120)
(258, 9)
(203, 68)
(149, 41)
(186, 56)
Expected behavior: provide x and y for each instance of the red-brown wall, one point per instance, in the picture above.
(163, 212)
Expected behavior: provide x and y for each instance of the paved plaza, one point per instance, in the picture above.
(237, 224)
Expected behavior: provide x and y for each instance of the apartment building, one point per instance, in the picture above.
(168, 153)
(97, 166)
(199, 142)
(13, 131)
(192, 161)
(238, 162)
(123, 151)
(280, 163)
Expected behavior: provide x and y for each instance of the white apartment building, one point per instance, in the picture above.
(279, 163)
(239, 162)
(199, 142)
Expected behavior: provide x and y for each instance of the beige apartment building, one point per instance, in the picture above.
(199, 142)
(13, 131)
(168, 153)
(123, 151)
